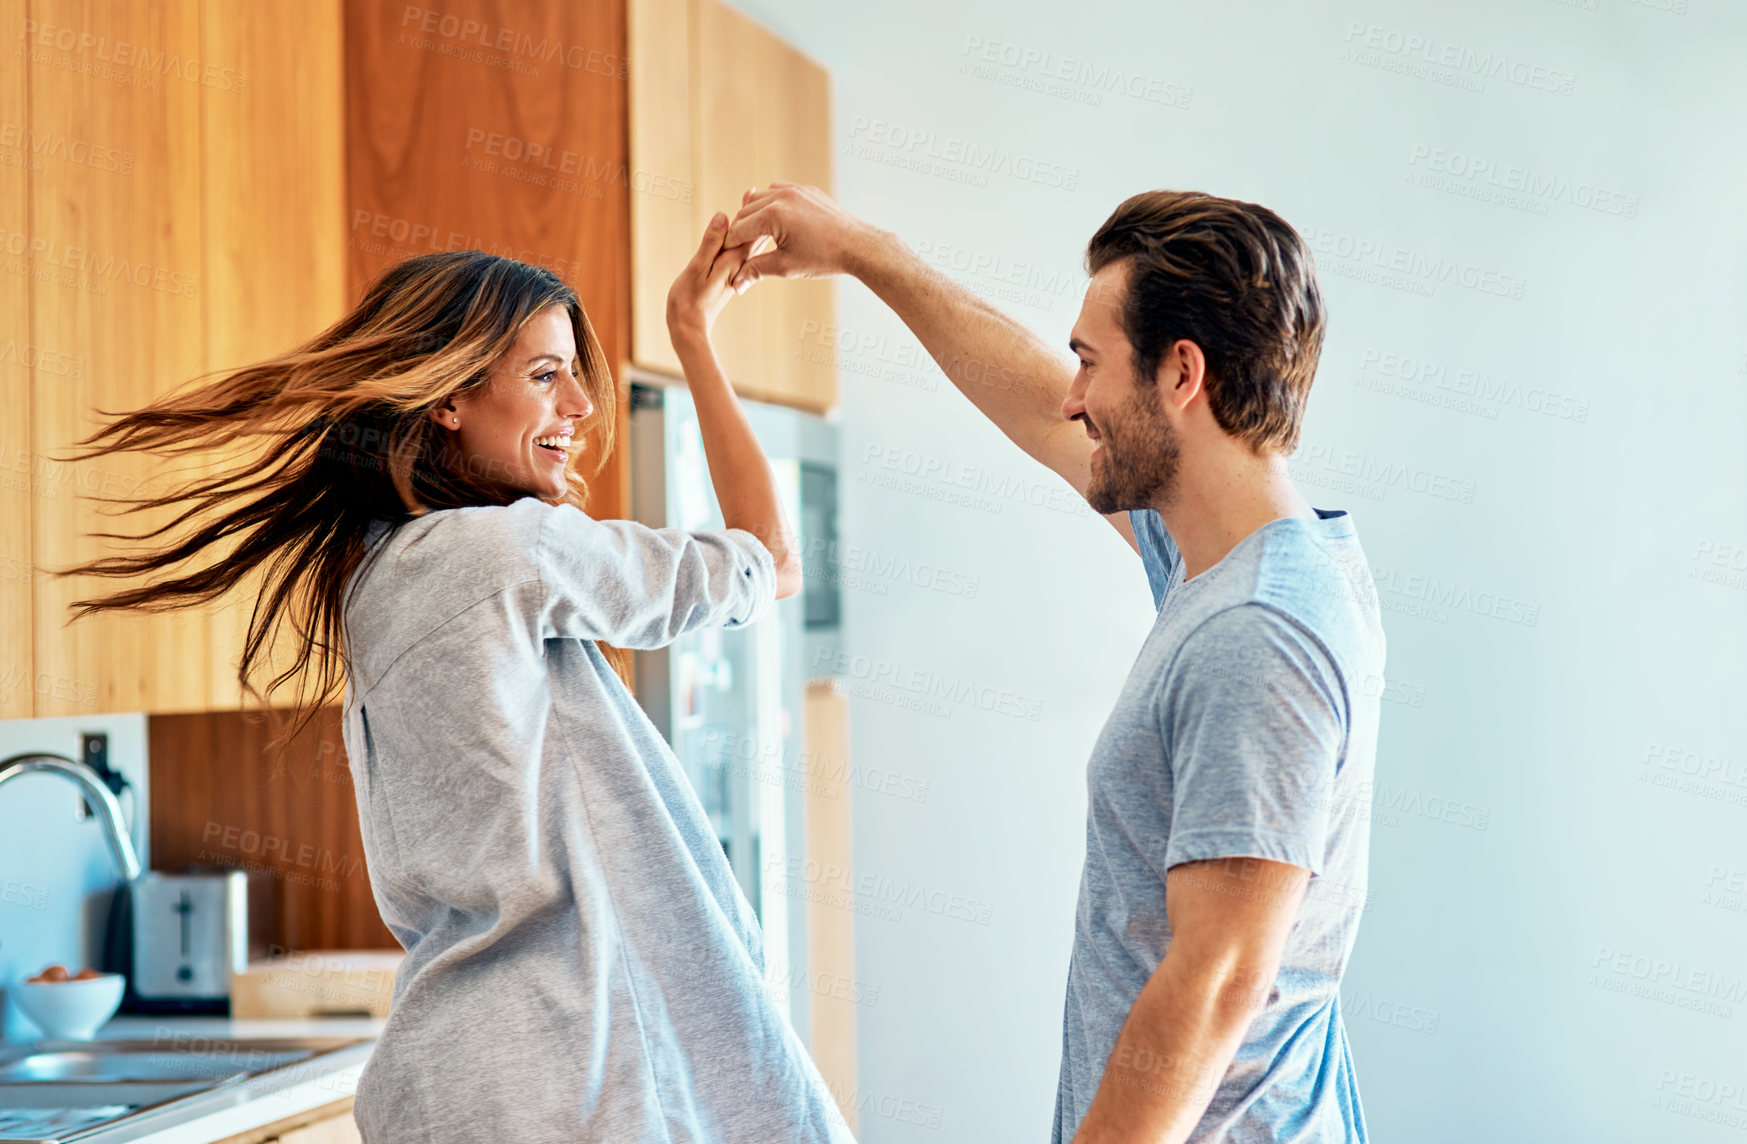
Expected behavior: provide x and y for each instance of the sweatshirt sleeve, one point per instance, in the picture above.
(639, 587)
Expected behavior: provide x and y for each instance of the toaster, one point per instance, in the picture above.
(190, 933)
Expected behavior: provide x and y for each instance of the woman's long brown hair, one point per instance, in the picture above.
(322, 441)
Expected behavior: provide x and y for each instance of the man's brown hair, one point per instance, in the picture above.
(1236, 280)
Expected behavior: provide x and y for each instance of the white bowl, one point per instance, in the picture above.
(70, 1010)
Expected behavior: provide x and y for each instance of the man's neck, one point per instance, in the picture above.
(1219, 500)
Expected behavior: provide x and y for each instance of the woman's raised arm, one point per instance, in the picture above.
(739, 470)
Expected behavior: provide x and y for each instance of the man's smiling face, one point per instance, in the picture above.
(1136, 459)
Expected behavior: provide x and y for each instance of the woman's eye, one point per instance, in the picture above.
(547, 376)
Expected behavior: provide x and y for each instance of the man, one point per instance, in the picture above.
(1233, 774)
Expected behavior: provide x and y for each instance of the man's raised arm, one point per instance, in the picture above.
(1006, 370)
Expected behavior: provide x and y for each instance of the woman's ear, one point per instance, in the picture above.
(445, 414)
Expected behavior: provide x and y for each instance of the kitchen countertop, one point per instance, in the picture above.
(252, 1103)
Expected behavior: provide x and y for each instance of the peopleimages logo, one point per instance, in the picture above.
(1487, 392)
(1374, 44)
(1066, 77)
(1027, 283)
(1668, 981)
(1695, 764)
(98, 266)
(1533, 185)
(50, 145)
(905, 470)
(1382, 472)
(878, 889)
(543, 164)
(927, 685)
(487, 37)
(870, 137)
(1455, 596)
(1405, 268)
(853, 565)
(1364, 1007)
(120, 61)
(816, 774)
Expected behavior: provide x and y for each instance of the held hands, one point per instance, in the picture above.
(814, 236)
(787, 230)
(703, 288)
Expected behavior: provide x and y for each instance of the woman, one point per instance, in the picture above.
(580, 962)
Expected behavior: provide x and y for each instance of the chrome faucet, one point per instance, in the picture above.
(97, 796)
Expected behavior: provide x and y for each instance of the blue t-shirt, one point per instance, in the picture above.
(1247, 728)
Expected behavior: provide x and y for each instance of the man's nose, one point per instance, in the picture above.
(1075, 404)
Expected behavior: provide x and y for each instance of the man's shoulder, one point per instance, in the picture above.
(1319, 578)
(1297, 578)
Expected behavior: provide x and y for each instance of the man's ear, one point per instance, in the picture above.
(1182, 373)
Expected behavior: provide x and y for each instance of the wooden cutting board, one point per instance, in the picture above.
(317, 983)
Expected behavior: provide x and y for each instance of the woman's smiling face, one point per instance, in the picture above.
(516, 430)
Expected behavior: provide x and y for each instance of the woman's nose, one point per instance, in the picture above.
(576, 402)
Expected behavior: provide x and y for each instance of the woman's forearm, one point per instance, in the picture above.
(741, 474)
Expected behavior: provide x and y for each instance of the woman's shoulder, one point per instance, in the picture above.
(479, 533)
(456, 550)
(420, 574)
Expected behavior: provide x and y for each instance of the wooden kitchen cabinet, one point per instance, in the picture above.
(719, 104)
(831, 933)
(274, 207)
(187, 186)
(333, 1130)
(497, 125)
(171, 198)
(330, 1124)
(19, 361)
(123, 300)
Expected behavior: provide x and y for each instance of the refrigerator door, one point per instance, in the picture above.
(731, 702)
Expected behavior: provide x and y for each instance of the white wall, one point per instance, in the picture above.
(57, 874)
(1567, 958)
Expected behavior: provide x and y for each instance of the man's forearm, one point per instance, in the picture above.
(1174, 1049)
(1006, 370)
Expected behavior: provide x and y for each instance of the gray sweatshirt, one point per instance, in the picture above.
(581, 964)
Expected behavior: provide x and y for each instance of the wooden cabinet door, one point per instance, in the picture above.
(177, 210)
(721, 104)
(329, 1127)
(20, 360)
(665, 228)
(497, 125)
(334, 1130)
(274, 215)
(116, 278)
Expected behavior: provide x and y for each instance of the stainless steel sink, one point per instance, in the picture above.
(61, 1091)
(116, 1093)
(145, 1064)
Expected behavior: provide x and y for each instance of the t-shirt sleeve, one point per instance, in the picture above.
(1158, 552)
(1254, 721)
(640, 587)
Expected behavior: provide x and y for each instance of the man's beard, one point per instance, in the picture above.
(1136, 467)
